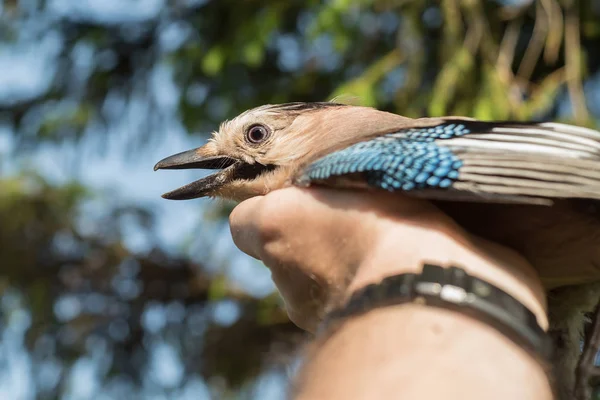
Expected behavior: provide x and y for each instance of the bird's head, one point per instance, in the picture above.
(261, 149)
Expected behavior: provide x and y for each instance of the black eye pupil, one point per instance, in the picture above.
(257, 134)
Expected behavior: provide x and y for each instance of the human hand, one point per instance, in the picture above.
(323, 244)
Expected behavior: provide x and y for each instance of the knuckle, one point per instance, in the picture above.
(275, 216)
(269, 229)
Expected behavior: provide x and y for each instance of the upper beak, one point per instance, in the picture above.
(199, 158)
(193, 159)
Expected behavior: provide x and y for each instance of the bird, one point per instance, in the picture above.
(531, 186)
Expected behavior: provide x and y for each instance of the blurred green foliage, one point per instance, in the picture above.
(466, 57)
(47, 257)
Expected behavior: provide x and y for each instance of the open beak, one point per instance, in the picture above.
(200, 158)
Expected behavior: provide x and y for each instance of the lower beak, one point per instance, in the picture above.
(195, 159)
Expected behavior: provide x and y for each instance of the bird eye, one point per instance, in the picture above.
(257, 134)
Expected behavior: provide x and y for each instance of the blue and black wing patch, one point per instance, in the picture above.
(470, 160)
(391, 163)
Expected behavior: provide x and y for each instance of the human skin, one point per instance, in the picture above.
(321, 245)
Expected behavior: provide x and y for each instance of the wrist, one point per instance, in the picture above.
(494, 264)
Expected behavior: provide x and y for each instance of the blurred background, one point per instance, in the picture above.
(109, 292)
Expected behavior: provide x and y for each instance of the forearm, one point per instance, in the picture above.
(419, 352)
(422, 352)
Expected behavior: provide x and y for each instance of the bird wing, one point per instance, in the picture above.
(470, 160)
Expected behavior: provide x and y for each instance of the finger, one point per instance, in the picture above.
(244, 225)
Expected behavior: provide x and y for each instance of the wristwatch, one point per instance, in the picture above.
(451, 288)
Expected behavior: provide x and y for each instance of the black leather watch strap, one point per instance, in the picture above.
(452, 288)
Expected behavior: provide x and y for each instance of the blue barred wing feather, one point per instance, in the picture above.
(470, 160)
